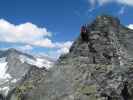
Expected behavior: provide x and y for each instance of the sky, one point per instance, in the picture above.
(49, 27)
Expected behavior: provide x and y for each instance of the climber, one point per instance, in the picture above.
(84, 33)
(124, 92)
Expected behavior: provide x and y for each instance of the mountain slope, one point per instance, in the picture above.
(98, 67)
(15, 65)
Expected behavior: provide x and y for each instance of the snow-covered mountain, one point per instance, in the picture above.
(39, 62)
(15, 65)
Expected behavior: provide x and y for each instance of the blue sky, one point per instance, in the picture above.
(48, 27)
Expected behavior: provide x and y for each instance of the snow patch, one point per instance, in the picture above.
(5, 90)
(39, 62)
(24, 59)
(3, 69)
(14, 81)
(43, 63)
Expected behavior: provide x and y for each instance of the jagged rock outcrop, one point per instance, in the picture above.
(98, 67)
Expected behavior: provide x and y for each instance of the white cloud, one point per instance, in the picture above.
(130, 26)
(102, 2)
(25, 48)
(126, 2)
(64, 47)
(61, 48)
(43, 43)
(26, 33)
(30, 35)
(64, 44)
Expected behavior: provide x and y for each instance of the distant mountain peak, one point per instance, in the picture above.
(12, 50)
(14, 65)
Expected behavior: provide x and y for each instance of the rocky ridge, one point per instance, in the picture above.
(98, 67)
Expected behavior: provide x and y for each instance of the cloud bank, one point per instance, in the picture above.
(102, 2)
(30, 35)
(26, 33)
(130, 26)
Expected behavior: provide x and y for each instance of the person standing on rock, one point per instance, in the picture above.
(83, 32)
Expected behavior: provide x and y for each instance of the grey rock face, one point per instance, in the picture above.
(98, 47)
(28, 88)
(14, 71)
(98, 67)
